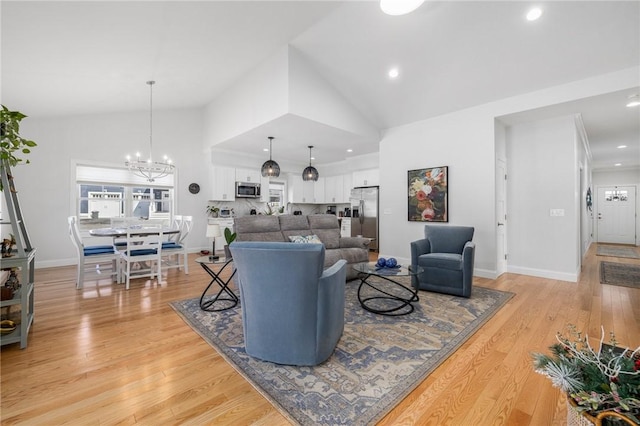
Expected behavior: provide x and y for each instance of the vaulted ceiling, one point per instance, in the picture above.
(89, 57)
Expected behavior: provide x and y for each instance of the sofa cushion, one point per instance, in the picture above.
(353, 255)
(258, 228)
(293, 222)
(327, 228)
(251, 224)
(449, 261)
(331, 257)
(329, 237)
(323, 221)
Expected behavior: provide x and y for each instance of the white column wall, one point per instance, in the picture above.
(541, 176)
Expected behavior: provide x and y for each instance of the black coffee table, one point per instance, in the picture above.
(389, 297)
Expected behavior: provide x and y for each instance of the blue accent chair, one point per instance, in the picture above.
(292, 309)
(446, 255)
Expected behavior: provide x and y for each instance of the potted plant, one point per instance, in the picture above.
(229, 238)
(10, 139)
(213, 210)
(600, 383)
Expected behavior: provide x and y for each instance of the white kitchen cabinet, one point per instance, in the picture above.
(334, 189)
(318, 190)
(301, 191)
(369, 177)
(224, 183)
(248, 175)
(347, 186)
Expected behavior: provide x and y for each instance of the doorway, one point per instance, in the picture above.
(616, 214)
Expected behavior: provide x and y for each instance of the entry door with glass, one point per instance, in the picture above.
(616, 214)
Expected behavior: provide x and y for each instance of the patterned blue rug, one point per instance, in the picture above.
(379, 360)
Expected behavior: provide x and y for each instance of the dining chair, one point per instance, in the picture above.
(90, 258)
(177, 224)
(174, 253)
(142, 256)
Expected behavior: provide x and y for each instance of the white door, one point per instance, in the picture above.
(501, 216)
(616, 214)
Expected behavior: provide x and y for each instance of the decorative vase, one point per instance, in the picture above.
(227, 252)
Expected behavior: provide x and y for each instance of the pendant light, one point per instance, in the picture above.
(270, 168)
(310, 173)
(149, 169)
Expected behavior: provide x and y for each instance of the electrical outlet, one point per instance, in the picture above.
(556, 212)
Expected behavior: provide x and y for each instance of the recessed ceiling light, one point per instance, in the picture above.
(634, 100)
(394, 73)
(399, 7)
(534, 14)
(618, 164)
(621, 146)
(265, 149)
(349, 150)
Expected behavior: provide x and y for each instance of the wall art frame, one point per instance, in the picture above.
(428, 194)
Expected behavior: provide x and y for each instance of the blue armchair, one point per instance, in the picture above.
(292, 309)
(446, 255)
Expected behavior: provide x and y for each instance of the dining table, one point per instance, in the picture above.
(139, 230)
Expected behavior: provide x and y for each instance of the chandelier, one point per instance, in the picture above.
(310, 173)
(270, 168)
(149, 169)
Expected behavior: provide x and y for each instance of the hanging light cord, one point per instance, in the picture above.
(151, 83)
(270, 140)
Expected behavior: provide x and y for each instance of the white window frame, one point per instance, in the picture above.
(107, 174)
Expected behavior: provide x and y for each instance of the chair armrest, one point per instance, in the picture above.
(468, 256)
(418, 248)
(329, 273)
(355, 242)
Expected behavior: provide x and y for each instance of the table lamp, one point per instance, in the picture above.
(213, 231)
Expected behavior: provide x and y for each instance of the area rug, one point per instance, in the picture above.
(379, 360)
(622, 274)
(617, 251)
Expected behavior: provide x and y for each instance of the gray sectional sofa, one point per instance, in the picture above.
(325, 226)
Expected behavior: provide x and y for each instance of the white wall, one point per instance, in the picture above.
(541, 157)
(466, 142)
(45, 191)
(463, 141)
(257, 98)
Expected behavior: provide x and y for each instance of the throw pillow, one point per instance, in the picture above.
(305, 239)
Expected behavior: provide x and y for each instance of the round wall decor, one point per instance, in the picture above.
(194, 188)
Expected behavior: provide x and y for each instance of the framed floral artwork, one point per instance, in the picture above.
(428, 195)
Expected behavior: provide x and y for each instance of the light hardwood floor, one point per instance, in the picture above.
(104, 355)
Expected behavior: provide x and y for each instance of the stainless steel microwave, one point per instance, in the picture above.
(247, 190)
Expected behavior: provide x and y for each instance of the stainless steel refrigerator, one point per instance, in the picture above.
(364, 214)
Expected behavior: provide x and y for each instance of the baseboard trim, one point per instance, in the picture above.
(543, 273)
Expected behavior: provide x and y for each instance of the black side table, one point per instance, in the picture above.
(225, 295)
